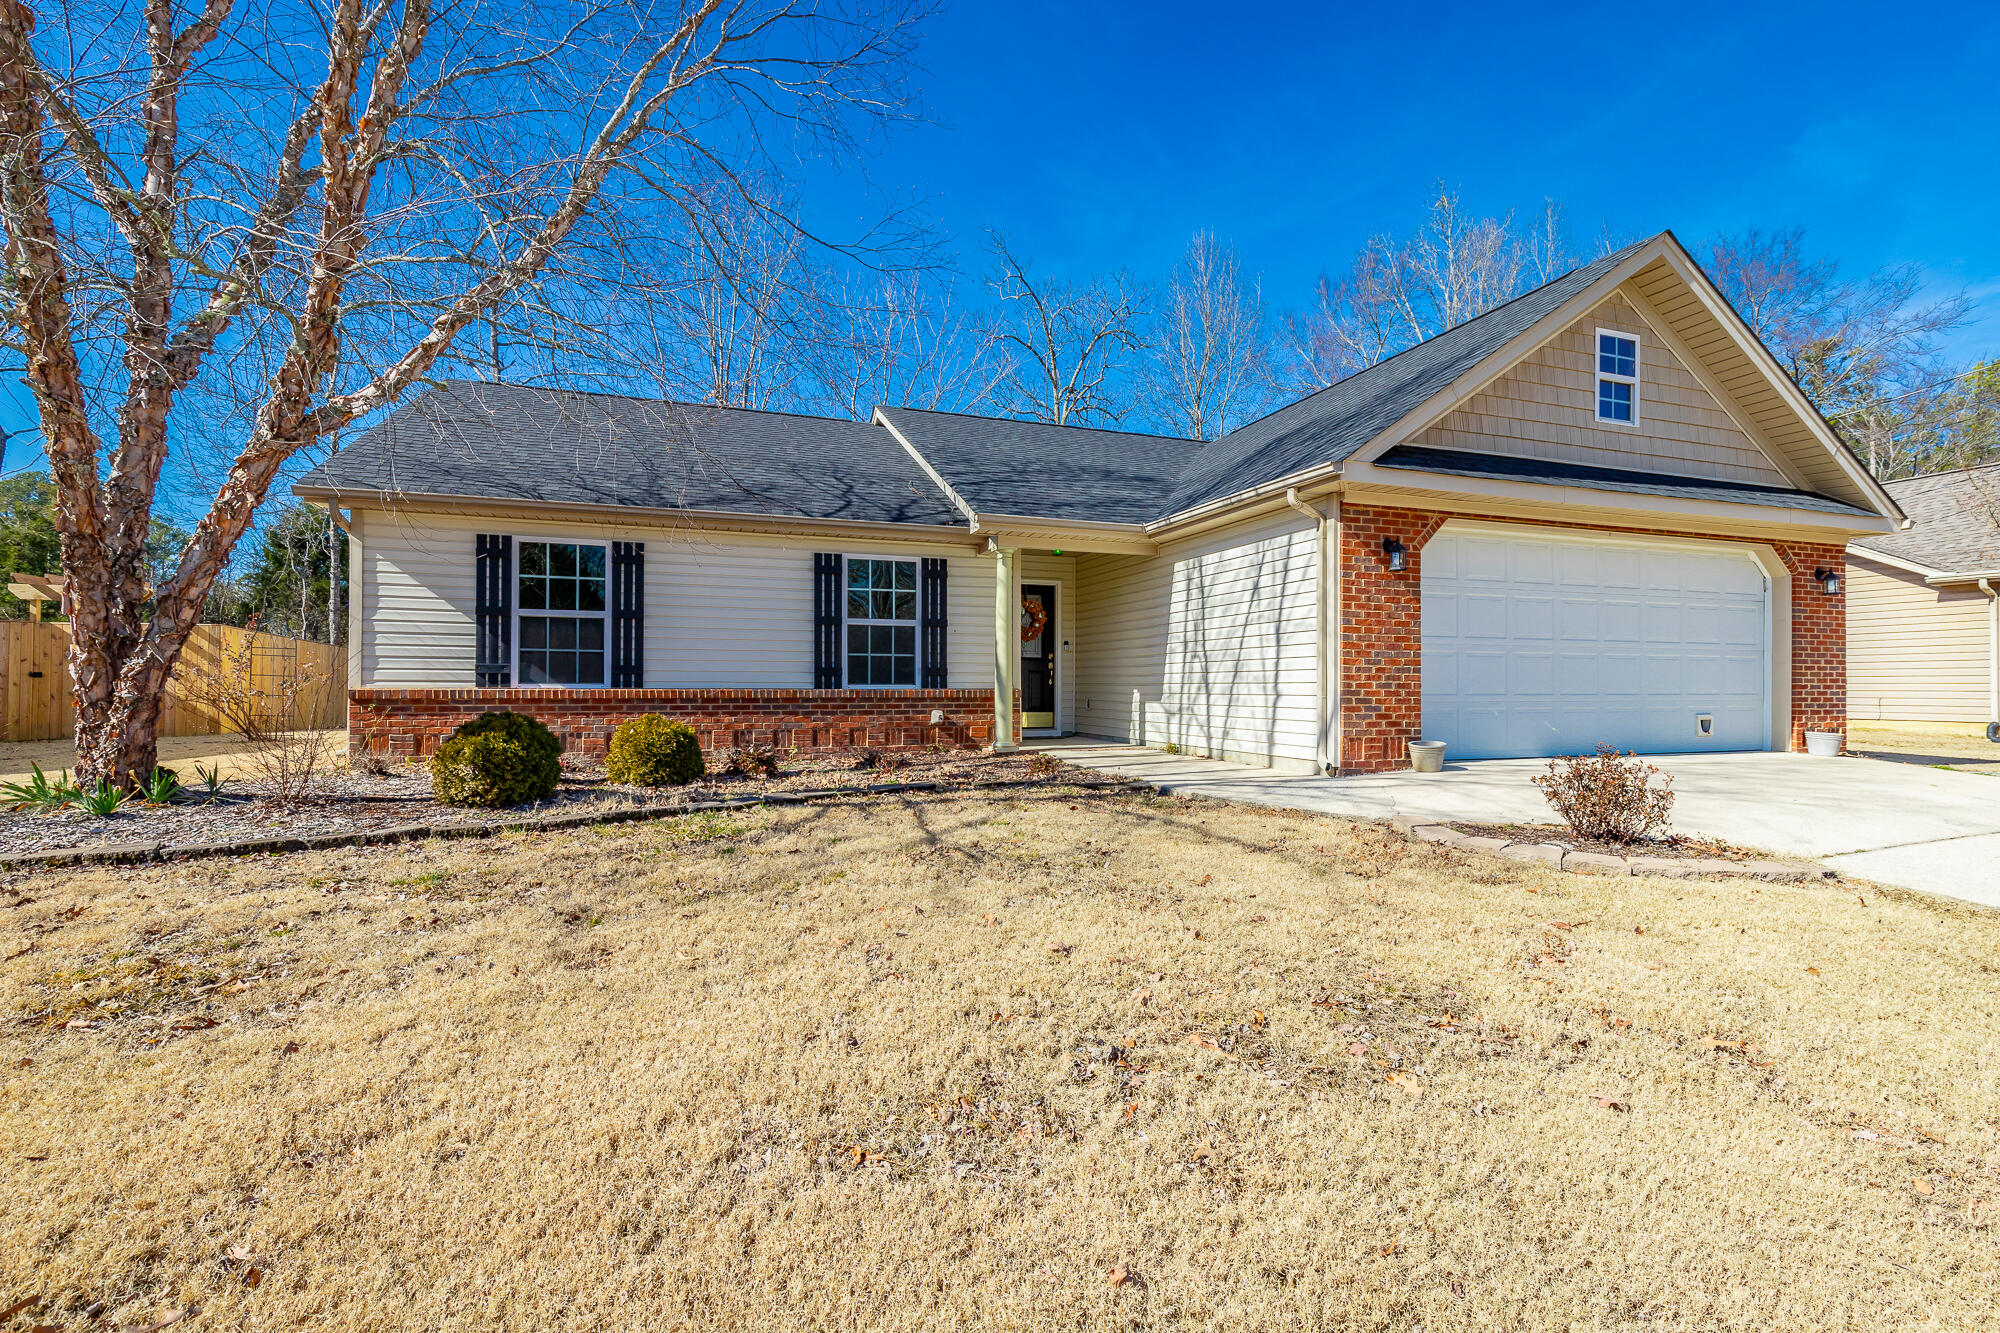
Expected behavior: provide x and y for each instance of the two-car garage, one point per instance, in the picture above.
(1540, 641)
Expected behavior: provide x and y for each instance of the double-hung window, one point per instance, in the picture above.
(1617, 377)
(881, 622)
(559, 608)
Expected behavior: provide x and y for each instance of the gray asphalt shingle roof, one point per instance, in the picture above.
(557, 446)
(1549, 472)
(1954, 521)
(1334, 423)
(1028, 468)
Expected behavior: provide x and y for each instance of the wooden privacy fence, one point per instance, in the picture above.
(34, 689)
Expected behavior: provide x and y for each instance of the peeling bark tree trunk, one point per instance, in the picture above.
(504, 205)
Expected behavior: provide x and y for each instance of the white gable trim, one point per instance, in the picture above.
(1713, 386)
(1520, 348)
(881, 419)
(1760, 356)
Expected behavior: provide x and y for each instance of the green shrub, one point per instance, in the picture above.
(515, 727)
(497, 759)
(654, 751)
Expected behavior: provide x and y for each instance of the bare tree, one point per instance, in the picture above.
(901, 339)
(1867, 353)
(1067, 343)
(1208, 369)
(279, 219)
(1397, 293)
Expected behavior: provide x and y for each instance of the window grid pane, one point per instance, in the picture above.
(567, 578)
(1614, 400)
(881, 622)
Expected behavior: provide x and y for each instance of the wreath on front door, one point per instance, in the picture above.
(1034, 619)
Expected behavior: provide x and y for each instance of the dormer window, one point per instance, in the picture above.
(1617, 377)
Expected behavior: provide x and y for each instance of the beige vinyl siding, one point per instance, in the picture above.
(722, 610)
(1546, 407)
(1211, 645)
(1061, 571)
(1915, 653)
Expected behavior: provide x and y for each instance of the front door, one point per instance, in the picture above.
(1038, 657)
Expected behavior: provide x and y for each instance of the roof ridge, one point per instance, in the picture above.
(1029, 421)
(658, 402)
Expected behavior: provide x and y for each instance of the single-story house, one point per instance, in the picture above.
(1923, 605)
(1599, 512)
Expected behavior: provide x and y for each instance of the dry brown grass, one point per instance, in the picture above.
(949, 1062)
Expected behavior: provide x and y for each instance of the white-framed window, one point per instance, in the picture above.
(881, 647)
(560, 601)
(1617, 377)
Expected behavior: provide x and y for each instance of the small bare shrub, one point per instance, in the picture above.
(865, 759)
(1608, 796)
(293, 764)
(755, 762)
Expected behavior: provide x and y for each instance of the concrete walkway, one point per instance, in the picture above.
(1901, 824)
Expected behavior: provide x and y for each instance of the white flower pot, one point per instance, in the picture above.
(1823, 744)
(1427, 756)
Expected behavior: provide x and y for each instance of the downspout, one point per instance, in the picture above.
(1326, 706)
(1992, 658)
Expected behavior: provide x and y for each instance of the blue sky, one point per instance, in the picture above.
(1100, 135)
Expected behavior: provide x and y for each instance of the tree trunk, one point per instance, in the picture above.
(118, 730)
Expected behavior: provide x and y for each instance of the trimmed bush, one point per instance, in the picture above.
(497, 759)
(654, 751)
(1608, 796)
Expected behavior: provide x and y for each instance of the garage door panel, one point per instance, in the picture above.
(1482, 615)
(1531, 675)
(1531, 617)
(1552, 645)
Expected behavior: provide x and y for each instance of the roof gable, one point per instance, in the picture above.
(1391, 403)
(1335, 423)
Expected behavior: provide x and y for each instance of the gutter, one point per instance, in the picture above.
(1327, 704)
(1992, 655)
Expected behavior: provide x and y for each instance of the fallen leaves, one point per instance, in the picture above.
(1408, 1083)
(1610, 1103)
(18, 1306)
(1357, 1048)
(1058, 947)
(1119, 1275)
(1923, 1186)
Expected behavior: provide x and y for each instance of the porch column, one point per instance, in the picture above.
(1006, 646)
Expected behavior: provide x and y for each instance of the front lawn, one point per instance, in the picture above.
(1035, 1060)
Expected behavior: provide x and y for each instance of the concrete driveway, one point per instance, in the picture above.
(1920, 828)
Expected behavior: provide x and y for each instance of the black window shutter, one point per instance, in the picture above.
(931, 613)
(826, 621)
(493, 611)
(628, 615)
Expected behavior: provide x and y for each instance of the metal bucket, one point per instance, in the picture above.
(1823, 744)
(1427, 756)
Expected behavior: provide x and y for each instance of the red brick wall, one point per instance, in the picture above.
(1381, 634)
(413, 721)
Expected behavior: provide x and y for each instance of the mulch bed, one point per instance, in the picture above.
(360, 802)
(1675, 847)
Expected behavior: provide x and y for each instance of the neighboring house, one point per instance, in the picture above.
(1923, 606)
(1600, 512)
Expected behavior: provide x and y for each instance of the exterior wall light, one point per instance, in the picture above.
(1829, 581)
(1394, 550)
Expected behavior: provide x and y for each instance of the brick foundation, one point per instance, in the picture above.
(1381, 633)
(413, 721)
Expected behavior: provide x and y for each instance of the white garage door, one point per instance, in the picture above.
(1539, 645)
